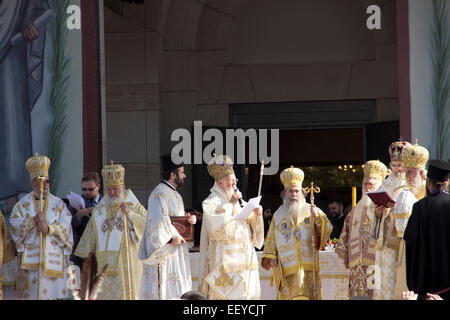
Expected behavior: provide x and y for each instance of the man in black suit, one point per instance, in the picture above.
(427, 236)
(337, 217)
(90, 185)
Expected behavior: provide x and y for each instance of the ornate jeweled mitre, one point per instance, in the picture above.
(375, 169)
(415, 156)
(395, 150)
(113, 175)
(292, 177)
(220, 167)
(38, 166)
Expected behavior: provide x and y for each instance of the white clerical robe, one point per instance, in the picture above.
(390, 246)
(167, 271)
(104, 236)
(42, 274)
(228, 262)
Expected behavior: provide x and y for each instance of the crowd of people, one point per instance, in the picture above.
(397, 249)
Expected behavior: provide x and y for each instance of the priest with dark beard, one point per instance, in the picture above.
(427, 236)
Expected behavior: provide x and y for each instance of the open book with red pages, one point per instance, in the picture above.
(380, 197)
(184, 228)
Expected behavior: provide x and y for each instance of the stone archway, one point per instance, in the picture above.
(181, 60)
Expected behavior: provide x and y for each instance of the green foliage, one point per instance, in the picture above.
(440, 91)
(333, 176)
(59, 66)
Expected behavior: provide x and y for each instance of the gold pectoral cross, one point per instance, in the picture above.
(311, 190)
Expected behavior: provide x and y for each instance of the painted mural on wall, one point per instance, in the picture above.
(40, 96)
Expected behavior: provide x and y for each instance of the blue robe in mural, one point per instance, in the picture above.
(21, 74)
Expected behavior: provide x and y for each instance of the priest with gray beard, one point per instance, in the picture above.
(357, 241)
(113, 234)
(390, 244)
(289, 247)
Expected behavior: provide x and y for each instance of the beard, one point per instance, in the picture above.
(229, 191)
(398, 175)
(45, 193)
(365, 200)
(293, 207)
(416, 182)
(90, 197)
(112, 201)
(178, 181)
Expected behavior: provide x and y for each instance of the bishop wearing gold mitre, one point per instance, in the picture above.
(42, 232)
(356, 242)
(390, 245)
(396, 177)
(290, 248)
(228, 261)
(113, 235)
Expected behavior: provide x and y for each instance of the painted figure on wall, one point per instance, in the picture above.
(21, 81)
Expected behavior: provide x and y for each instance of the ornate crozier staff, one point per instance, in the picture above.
(315, 245)
(261, 173)
(125, 223)
(41, 205)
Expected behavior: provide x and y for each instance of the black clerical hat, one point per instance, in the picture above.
(167, 163)
(438, 170)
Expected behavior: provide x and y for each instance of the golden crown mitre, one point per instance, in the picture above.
(375, 169)
(415, 156)
(113, 175)
(395, 150)
(292, 177)
(220, 167)
(38, 166)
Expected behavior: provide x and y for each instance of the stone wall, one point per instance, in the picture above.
(169, 62)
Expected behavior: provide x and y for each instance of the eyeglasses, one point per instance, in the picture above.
(86, 189)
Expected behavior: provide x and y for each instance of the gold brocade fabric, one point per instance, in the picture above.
(357, 252)
(358, 282)
(299, 286)
(303, 283)
(6, 248)
(124, 282)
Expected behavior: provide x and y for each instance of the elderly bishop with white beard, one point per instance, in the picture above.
(390, 245)
(289, 247)
(228, 261)
(356, 245)
(113, 235)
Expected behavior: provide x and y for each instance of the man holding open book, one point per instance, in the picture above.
(390, 244)
(356, 243)
(164, 251)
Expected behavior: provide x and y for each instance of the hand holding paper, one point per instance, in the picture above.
(252, 204)
(76, 201)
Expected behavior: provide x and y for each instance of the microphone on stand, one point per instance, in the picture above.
(240, 199)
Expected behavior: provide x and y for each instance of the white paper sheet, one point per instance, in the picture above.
(247, 210)
(76, 200)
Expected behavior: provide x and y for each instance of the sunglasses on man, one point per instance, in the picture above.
(86, 189)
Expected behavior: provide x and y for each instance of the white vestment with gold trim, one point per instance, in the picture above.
(49, 281)
(228, 262)
(167, 271)
(390, 246)
(104, 236)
